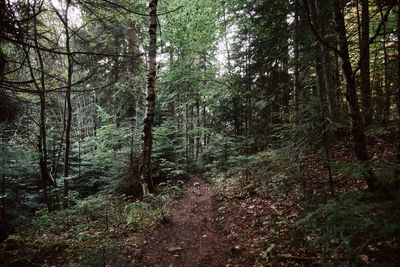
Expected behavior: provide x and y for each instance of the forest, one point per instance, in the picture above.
(199, 133)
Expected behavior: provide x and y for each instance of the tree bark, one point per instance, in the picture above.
(144, 166)
(318, 59)
(198, 125)
(3, 198)
(296, 38)
(327, 62)
(69, 107)
(324, 81)
(388, 93)
(397, 172)
(364, 64)
(357, 126)
(42, 144)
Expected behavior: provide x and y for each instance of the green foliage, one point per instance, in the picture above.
(168, 152)
(140, 215)
(168, 142)
(256, 165)
(172, 189)
(219, 150)
(224, 103)
(48, 246)
(94, 211)
(103, 255)
(350, 226)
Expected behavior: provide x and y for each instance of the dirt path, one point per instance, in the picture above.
(191, 237)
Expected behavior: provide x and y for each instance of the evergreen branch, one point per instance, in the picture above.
(314, 30)
(65, 53)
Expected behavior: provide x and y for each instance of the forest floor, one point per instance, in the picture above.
(222, 219)
(191, 235)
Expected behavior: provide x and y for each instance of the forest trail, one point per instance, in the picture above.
(192, 236)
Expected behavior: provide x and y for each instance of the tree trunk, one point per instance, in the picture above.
(397, 173)
(322, 61)
(336, 84)
(318, 58)
(42, 149)
(296, 38)
(364, 64)
(69, 107)
(357, 126)
(80, 138)
(42, 145)
(144, 166)
(191, 134)
(388, 93)
(198, 125)
(187, 138)
(57, 161)
(3, 198)
(95, 117)
(328, 66)
(204, 125)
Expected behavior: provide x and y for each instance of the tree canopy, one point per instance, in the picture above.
(123, 101)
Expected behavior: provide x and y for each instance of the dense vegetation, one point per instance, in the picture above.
(290, 108)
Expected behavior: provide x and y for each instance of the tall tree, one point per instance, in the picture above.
(296, 82)
(397, 173)
(364, 64)
(357, 125)
(40, 84)
(144, 165)
(68, 106)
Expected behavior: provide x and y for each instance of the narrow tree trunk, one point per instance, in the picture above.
(191, 134)
(204, 125)
(69, 107)
(198, 125)
(187, 138)
(336, 84)
(364, 64)
(327, 63)
(42, 145)
(296, 38)
(144, 169)
(42, 150)
(386, 102)
(235, 99)
(322, 61)
(397, 172)
(357, 126)
(318, 58)
(3, 198)
(95, 119)
(40, 87)
(80, 138)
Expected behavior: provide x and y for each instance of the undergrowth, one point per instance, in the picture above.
(299, 219)
(90, 233)
(353, 228)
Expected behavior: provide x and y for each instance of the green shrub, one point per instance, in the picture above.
(106, 254)
(140, 215)
(350, 226)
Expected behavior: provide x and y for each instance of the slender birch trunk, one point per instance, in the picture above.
(144, 164)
